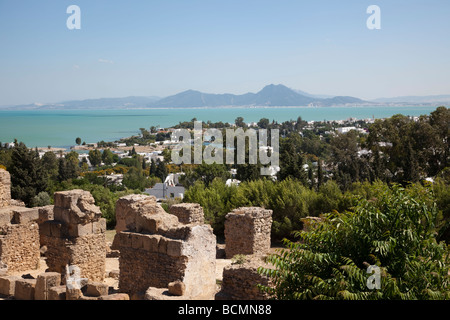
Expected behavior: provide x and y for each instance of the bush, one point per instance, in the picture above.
(41, 200)
(394, 231)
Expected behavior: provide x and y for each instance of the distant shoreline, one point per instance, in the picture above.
(231, 107)
(59, 128)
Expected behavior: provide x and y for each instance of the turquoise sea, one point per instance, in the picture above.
(60, 128)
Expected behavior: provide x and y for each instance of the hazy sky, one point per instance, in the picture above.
(150, 47)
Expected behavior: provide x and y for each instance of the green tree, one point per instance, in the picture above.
(319, 174)
(263, 123)
(28, 177)
(291, 159)
(152, 168)
(134, 179)
(95, 157)
(50, 164)
(395, 232)
(240, 122)
(108, 157)
(161, 171)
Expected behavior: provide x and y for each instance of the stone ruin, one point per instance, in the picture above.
(19, 231)
(76, 235)
(247, 231)
(241, 281)
(188, 213)
(160, 256)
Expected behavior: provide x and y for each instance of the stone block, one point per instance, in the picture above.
(45, 213)
(5, 216)
(79, 230)
(99, 226)
(73, 293)
(55, 227)
(128, 207)
(44, 282)
(177, 288)
(150, 243)
(124, 239)
(57, 293)
(8, 285)
(25, 289)
(174, 248)
(136, 241)
(162, 246)
(188, 213)
(96, 289)
(116, 296)
(76, 207)
(25, 215)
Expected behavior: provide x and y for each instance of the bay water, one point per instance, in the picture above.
(60, 128)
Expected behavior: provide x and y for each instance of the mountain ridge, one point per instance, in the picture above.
(270, 96)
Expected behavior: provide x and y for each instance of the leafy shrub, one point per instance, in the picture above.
(394, 231)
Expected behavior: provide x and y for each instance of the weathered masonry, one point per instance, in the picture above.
(19, 231)
(157, 250)
(247, 231)
(76, 236)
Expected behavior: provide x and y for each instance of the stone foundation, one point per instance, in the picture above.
(240, 282)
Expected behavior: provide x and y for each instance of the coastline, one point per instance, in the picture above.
(59, 128)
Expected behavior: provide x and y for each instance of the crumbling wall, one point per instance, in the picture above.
(247, 231)
(19, 232)
(76, 236)
(156, 249)
(5, 188)
(243, 281)
(188, 213)
(19, 246)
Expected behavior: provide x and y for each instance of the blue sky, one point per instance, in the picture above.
(159, 48)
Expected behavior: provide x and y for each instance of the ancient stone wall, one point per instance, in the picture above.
(247, 231)
(241, 282)
(19, 231)
(19, 246)
(188, 213)
(5, 188)
(156, 249)
(76, 236)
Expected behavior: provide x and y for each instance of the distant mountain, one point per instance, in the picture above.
(316, 96)
(436, 99)
(270, 96)
(102, 103)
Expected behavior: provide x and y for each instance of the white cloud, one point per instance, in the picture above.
(105, 61)
(76, 67)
